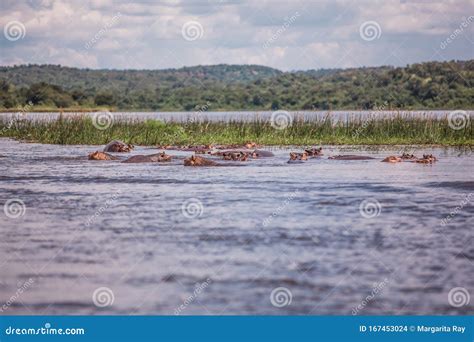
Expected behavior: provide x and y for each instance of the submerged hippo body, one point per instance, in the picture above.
(392, 159)
(199, 161)
(350, 157)
(152, 158)
(117, 146)
(262, 153)
(314, 152)
(97, 155)
(407, 156)
(427, 159)
(296, 157)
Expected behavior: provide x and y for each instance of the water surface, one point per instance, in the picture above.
(247, 231)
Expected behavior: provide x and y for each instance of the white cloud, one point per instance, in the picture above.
(148, 34)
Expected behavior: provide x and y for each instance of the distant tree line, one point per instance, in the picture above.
(430, 85)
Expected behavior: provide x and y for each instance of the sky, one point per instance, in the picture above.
(287, 35)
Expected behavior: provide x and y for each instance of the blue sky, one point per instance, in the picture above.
(288, 35)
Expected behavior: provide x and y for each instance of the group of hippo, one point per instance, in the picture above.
(233, 153)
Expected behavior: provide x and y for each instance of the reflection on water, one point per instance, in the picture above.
(165, 239)
(234, 116)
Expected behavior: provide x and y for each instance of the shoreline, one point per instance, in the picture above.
(367, 147)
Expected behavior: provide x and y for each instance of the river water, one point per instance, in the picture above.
(322, 237)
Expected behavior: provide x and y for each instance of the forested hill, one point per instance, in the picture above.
(430, 85)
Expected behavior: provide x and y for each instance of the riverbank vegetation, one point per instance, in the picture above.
(399, 129)
(430, 85)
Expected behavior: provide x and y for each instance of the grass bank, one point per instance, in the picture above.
(396, 130)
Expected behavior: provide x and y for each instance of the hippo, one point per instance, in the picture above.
(101, 156)
(350, 157)
(407, 156)
(392, 159)
(250, 144)
(298, 157)
(427, 159)
(199, 161)
(118, 146)
(152, 158)
(314, 152)
(236, 156)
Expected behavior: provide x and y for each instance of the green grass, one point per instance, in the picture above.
(394, 130)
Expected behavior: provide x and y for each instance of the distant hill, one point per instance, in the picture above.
(73, 78)
(430, 85)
